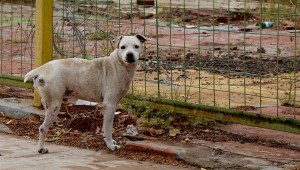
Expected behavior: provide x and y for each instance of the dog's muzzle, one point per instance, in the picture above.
(130, 58)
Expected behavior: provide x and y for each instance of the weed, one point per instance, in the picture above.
(176, 92)
(248, 9)
(106, 39)
(151, 117)
(288, 98)
(101, 35)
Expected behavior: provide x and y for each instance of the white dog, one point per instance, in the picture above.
(104, 80)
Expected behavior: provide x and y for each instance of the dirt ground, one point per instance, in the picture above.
(199, 62)
(80, 126)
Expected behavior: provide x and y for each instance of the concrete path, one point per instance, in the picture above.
(218, 156)
(21, 153)
(19, 108)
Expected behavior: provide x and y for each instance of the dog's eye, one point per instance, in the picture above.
(123, 47)
(136, 46)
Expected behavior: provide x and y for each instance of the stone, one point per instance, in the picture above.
(261, 50)
(174, 132)
(145, 2)
(5, 129)
(190, 26)
(234, 48)
(172, 58)
(245, 29)
(146, 15)
(203, 32)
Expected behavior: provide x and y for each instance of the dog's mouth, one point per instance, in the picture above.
(130, 61)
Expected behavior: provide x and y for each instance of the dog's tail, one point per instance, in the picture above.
(33, 73)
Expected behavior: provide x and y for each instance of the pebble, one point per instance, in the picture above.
(187, 140)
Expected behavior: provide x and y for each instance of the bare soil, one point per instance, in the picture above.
(204, 17)
(80, 126)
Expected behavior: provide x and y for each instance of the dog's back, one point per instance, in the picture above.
(55, 65)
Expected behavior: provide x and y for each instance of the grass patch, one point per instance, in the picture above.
(101, 35)
(151, 117)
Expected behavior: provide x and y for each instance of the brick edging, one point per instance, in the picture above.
(150, 149)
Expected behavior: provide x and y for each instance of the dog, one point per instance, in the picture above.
(104, 80)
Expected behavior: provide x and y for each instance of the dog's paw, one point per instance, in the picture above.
(114, 142)
(112, 145)
(43, 150)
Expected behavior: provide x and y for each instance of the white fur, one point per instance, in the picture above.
(104, 80)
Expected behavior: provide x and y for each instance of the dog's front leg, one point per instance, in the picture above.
(108, 125)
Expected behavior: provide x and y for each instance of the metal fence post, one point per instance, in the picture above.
(43, 37)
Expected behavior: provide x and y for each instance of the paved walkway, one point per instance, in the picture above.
(21, 153)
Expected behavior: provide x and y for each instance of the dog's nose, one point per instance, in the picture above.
(130, 58)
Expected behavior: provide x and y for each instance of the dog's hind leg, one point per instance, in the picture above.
(51, 99)
(108, 125)
(43, 131)
(50, 118)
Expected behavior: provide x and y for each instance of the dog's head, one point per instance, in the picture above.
(129, 47)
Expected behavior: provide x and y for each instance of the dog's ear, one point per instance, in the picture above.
(117, 41)
(142, 38)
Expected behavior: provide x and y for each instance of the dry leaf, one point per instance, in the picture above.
(154, 132)
(97, 130)
(53, 139)
(76, 133)
(58, 133)
(35, 117)
(9, 122)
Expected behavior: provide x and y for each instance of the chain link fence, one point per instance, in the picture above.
(236, 54)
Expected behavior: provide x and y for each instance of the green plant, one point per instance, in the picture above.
(248, 9)
(86, 56)
(157, 123)
(176, 92)
(288, 98)
(101, 35)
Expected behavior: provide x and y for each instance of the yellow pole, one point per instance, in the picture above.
(43, 37)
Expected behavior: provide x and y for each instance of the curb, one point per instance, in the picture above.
(149, 148)
(19, 108)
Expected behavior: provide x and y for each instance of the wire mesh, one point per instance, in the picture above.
(221, 53)
(17, 30)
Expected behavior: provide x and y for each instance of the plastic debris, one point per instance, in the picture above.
(131, 131)
(85, 102)
(267, 24)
